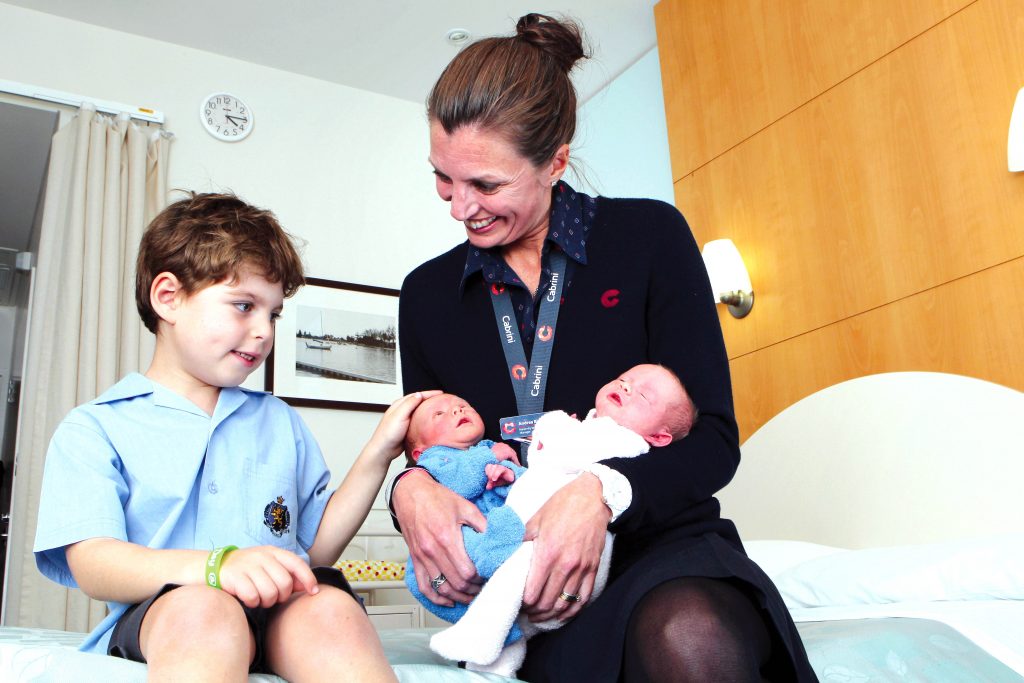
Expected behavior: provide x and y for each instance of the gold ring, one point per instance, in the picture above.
(569, 597)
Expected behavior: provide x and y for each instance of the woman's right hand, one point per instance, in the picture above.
(431, 518)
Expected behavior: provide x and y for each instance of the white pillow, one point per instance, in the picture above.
(775, 557)
(990, 568)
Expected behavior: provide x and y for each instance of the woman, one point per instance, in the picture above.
(601, 285)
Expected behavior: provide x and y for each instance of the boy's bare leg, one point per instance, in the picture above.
(196, 633)
(325, 637)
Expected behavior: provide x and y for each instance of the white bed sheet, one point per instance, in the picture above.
(972, 585)
(997, 626)
(30, 655)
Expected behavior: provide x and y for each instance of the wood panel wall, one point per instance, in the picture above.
(856, 154)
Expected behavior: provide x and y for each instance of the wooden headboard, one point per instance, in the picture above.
(855, 152)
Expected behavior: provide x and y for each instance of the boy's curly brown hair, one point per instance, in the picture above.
(208, 238)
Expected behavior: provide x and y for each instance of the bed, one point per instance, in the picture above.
(885, 508)
(887, 511)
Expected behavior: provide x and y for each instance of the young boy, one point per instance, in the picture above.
(149, 488)
(646, 406)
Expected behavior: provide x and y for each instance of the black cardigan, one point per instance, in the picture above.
(642, 297)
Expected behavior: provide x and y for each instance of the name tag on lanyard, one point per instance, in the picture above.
(518, 427)
(529, 378)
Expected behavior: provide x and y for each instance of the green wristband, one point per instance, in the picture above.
(213, 563)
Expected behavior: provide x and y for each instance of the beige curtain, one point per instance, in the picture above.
(106, 181)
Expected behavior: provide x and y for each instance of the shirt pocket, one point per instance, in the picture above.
(271, 505)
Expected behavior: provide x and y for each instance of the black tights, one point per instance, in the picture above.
(696, 629)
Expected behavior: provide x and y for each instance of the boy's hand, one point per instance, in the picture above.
(498, 475)
(388, 439)
(502, 451)
(265, 576)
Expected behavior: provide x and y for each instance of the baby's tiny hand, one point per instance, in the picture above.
(498, 475)
(502, 451)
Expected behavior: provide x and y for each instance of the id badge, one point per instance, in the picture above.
(518, 427)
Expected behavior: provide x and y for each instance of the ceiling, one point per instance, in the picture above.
(392, 47)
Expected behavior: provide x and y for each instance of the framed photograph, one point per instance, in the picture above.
(336, 347)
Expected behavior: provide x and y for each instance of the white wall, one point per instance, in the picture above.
(622, 138)
(344, 169)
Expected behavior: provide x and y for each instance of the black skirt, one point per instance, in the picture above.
(590, 647)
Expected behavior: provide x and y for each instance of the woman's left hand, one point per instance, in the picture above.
(568, 533)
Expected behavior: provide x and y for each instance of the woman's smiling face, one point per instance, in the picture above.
(498, 194)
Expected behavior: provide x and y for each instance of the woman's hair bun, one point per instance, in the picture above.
(561, 39)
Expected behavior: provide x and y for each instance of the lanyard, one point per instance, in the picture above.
(529, 379)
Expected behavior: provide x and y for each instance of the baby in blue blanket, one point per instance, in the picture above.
(445, 439)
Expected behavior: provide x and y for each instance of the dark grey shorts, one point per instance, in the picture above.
(124, 641)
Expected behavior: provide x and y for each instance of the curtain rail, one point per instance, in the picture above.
(59, 97)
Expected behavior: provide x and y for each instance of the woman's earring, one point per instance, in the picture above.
(554, 182)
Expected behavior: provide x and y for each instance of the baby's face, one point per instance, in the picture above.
(639, 399)
(446, 420)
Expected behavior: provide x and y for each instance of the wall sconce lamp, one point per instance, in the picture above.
(1015, 143)
(730, 283)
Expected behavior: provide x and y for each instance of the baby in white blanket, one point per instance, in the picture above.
(647, 406)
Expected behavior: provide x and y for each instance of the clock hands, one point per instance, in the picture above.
(225, 117)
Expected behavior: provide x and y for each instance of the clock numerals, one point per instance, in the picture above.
(226, 117)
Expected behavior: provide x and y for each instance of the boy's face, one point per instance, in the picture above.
(640, 399)
(446, 420)
(221, 333)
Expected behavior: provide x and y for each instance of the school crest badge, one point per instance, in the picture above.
(277, 518)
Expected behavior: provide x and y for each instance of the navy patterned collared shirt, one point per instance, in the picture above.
(572, 215)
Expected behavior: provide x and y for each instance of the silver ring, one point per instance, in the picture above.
(569, 597)
(438, 581)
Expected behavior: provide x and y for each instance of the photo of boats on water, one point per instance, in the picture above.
(347, 345)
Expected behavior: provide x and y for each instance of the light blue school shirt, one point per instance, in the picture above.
(145, 465)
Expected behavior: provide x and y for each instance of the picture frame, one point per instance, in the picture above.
(336, 347)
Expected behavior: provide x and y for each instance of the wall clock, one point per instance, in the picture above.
(226, 117)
